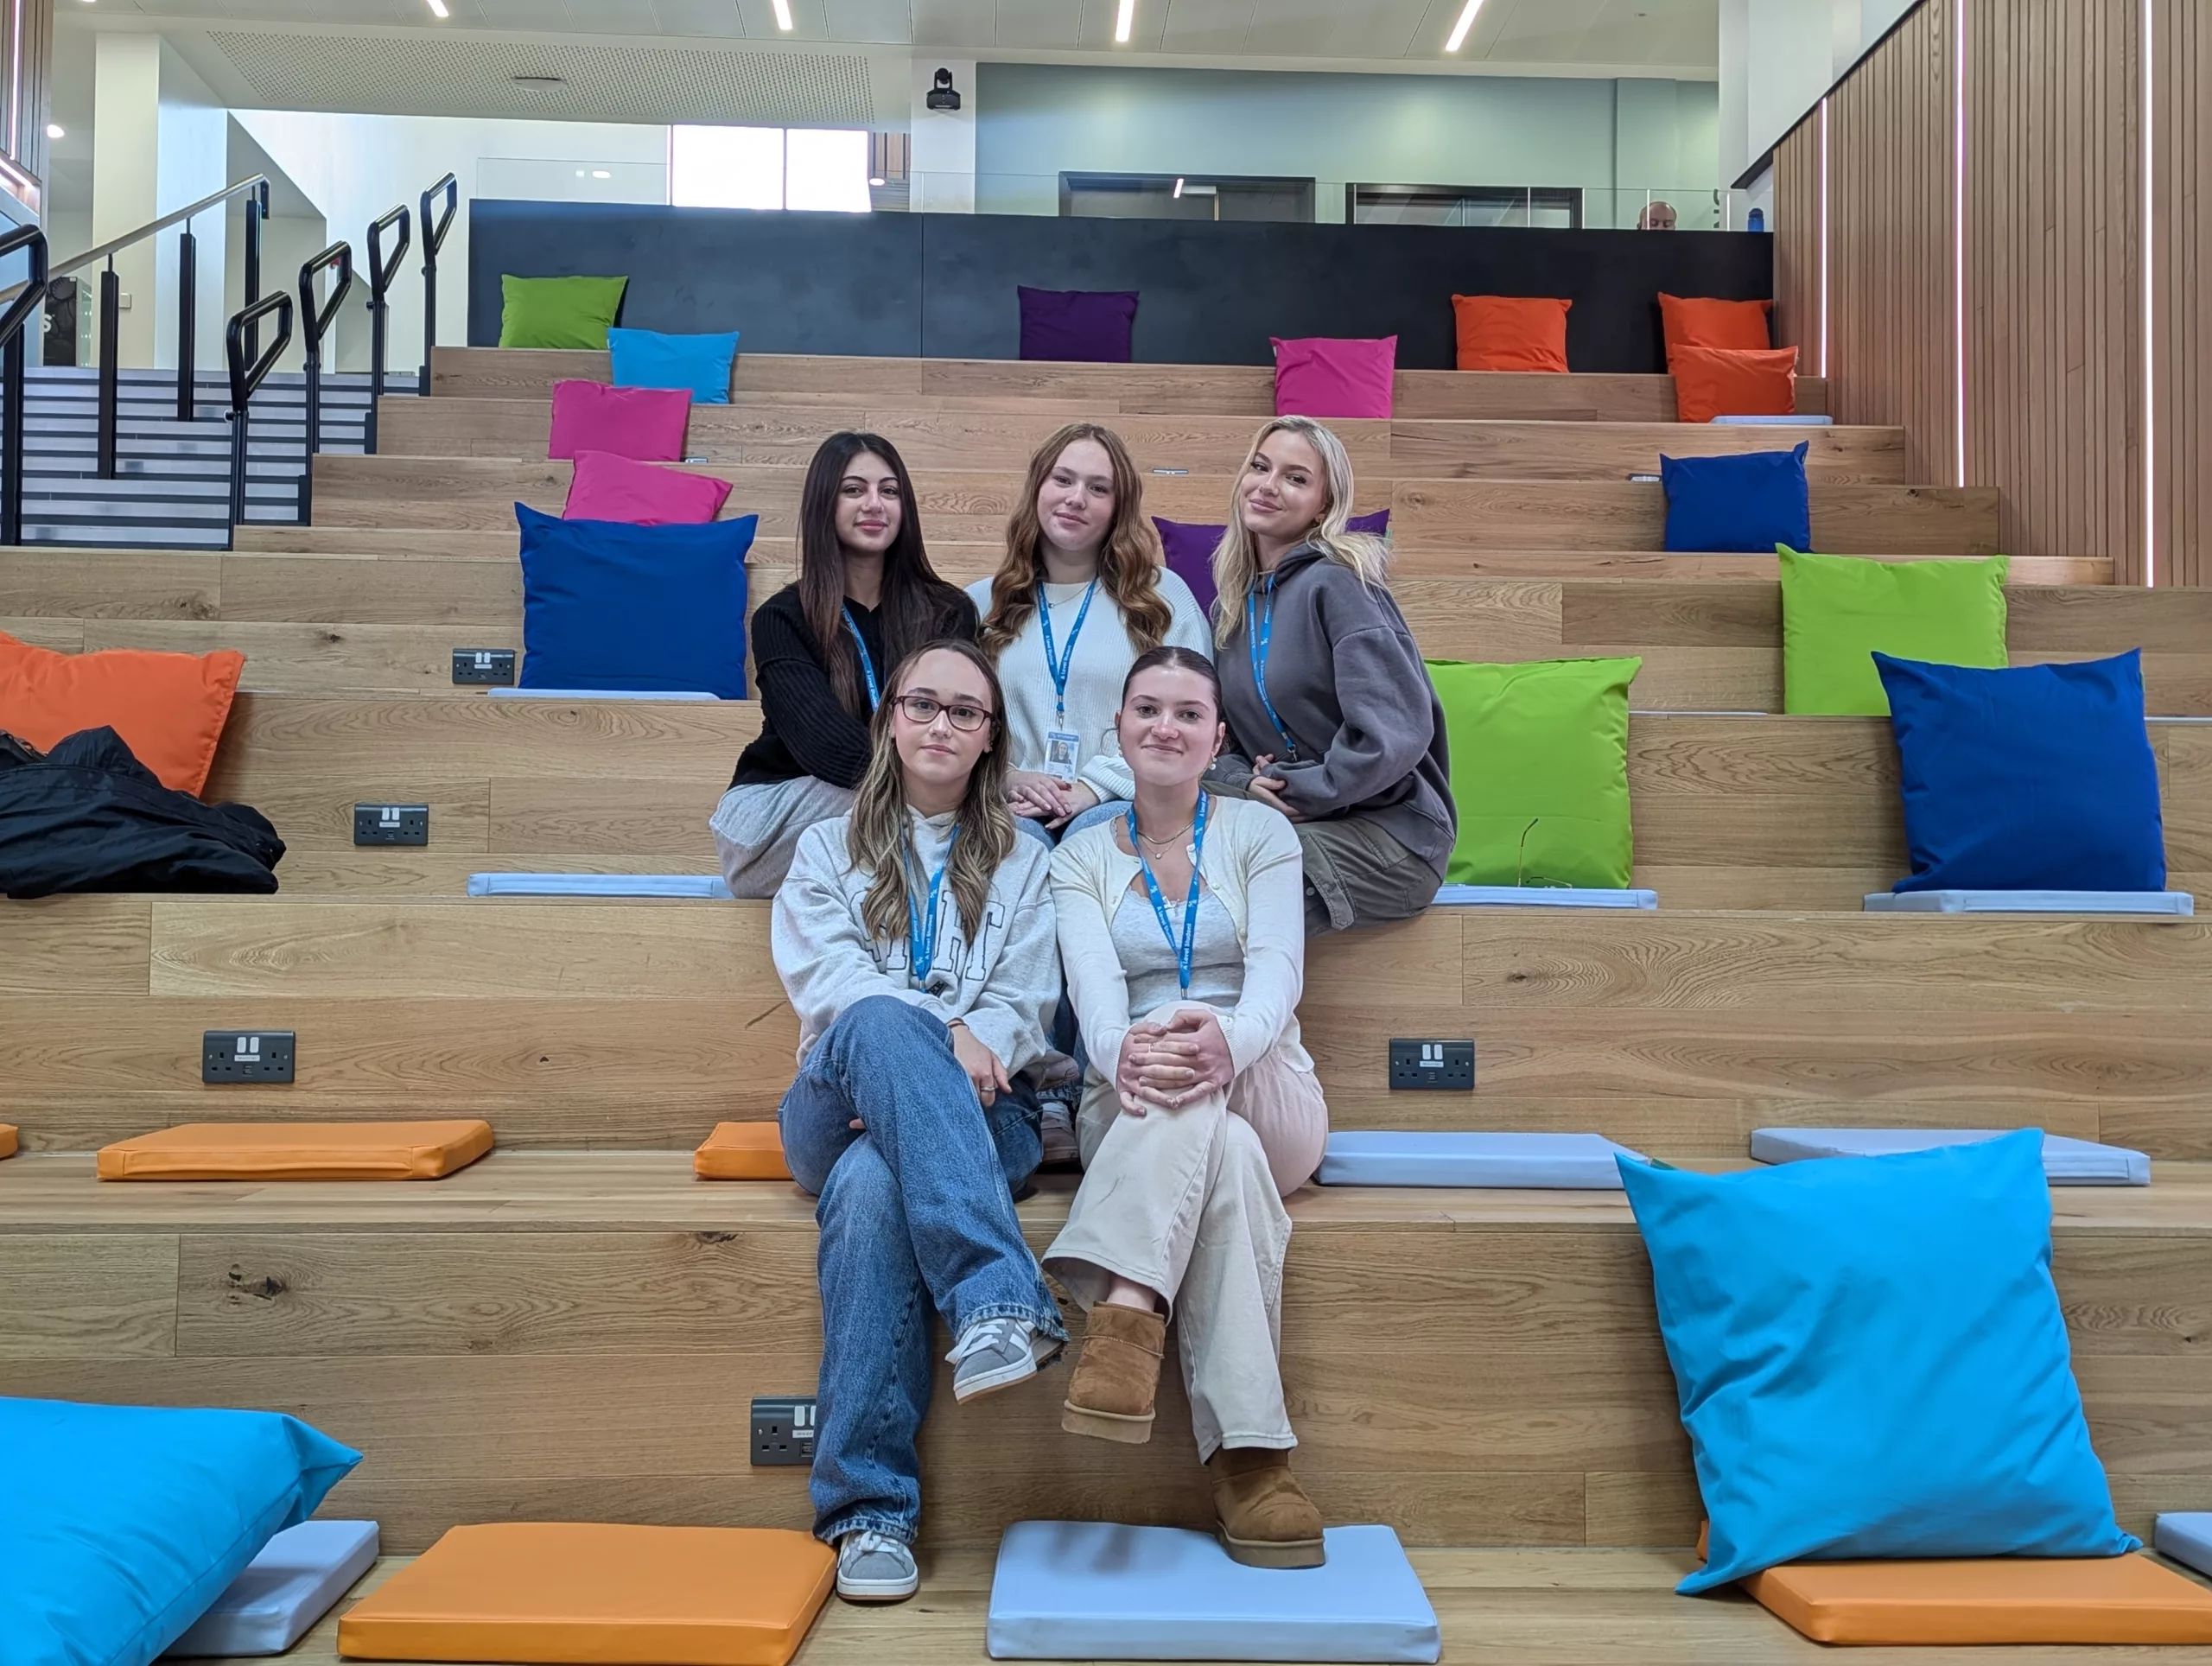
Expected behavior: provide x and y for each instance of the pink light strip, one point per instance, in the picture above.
(1959, 231)
(2150, 314)
(1824, 238)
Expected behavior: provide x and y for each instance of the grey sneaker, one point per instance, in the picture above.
(873, 1567)
(1056, 1130)
(997, 1353)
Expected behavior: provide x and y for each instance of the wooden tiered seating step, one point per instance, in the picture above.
(965, 504)
(1099, 391)
(624, 1023)
(577, 1335)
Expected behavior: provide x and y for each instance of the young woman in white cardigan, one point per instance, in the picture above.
(1079, 595)
(1182, 929)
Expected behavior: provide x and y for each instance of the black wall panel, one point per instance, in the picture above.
(943, 285)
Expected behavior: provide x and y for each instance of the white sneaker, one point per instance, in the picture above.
(873, 1566)
(997, 1353)
(1058, 1131)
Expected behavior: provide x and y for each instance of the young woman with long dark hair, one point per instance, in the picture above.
(865, 598)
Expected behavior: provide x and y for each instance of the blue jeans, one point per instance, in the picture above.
(917, 1215)
(1090, 817)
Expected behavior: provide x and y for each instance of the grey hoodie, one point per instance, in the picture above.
(1348, 685)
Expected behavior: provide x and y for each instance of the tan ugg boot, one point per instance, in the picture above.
(1262, 1516)
(1111, 1392)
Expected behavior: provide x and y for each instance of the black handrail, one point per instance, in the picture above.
(434, 237)
(13, 401)
(256, 211)
(381, 276)
(314, 324)
(244, 378)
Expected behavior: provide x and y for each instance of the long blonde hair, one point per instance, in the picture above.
(1128, 561)
(876, 836)
(1236, 558)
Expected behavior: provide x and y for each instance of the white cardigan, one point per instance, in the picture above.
(1252, 861)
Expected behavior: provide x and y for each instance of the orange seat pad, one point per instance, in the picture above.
(2015, 1600)
(7, 1139)
(599, 1595)
(298, 1151)
(742, 1151)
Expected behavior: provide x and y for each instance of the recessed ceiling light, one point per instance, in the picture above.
(783, 14)
(53, 130)
(1122, 21)
(1459, 29)
(874, 180)
(438, 8)
(601, 173)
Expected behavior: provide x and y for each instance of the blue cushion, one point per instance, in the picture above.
(606, 605)
(1098, 1591)
(1748, 503)
(295, 1581)
(1359, 1157)
(646, 358)
(2185, 1535)
(1871, 1359)
(2066, 1160)
(119, 1525)
(598, 885)
(2031, 778)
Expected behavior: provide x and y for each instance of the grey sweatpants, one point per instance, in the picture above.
(756, 829)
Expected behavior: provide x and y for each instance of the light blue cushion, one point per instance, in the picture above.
(2066, 1160)
(647, 358)
(2186, 1536)
(1797, 421)
(295, 1581)
(1099, 1591)
(119, 1525)
(1871, 1359)
(597, 884)
(2180, 903)
(1541, 896)
(1362, 1157)
(609, 605)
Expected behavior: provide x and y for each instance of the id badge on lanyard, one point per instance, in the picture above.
(1063, 746)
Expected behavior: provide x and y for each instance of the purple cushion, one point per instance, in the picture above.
(1189, 549)
(645, 424)
(607, 488)
(1084, 326)
(1331, 376)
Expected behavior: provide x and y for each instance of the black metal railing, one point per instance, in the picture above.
(247, 373)
(314, 324)
(434, 237)
(381, 272)
(14, 404)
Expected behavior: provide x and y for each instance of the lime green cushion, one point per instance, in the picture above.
(558, 312)
(1838, 611)
(1539, 771)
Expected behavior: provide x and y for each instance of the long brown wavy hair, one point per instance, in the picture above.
(1129, 562)
(876, 832)
(917, 604)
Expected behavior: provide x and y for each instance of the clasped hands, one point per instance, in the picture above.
(1169, 1064)
(1268, 789)
(1047, 798)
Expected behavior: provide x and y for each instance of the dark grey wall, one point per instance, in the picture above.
(942, 286)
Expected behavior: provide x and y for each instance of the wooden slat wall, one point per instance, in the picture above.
(1797, 245)
(2181, 252)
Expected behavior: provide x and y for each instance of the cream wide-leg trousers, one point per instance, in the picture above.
(1189, 1203)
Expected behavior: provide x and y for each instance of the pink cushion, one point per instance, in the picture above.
(1324, 376)
(611, 488)
(646, 423)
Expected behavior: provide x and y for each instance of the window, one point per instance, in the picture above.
(1558, 207)
(1184, 196)
(820, 168)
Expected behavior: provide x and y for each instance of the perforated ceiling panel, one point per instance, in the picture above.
(454, 74)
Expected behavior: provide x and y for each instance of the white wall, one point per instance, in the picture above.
(194, 164)
(355, 169)
(126, 115)
(941, 160)
(1778, 58)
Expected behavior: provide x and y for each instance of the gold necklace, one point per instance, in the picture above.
(1160, 845)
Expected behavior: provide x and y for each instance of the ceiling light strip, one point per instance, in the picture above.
(783, 14)
(1459, 36)
(1124, 21)
(438, 9)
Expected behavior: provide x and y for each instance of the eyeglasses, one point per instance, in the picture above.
(922, 710)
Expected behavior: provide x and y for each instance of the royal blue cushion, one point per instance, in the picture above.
(120, 1525)
(1086, 326)
(1871, 1359)
(2032, 778)
(646, 358)
(606, 605)
(1749, 502)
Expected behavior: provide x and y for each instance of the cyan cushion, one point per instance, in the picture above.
(119, 1525)
(1747, 503)
(1871, 1359)
(606, 605)
(699, 364)
(1078, 326)
(2030, 777)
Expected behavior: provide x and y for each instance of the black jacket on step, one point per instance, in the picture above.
(89, 817)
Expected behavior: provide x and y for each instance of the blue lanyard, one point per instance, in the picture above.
(921, 935)
(1182, 950)
(1259, 634)
(868, 665)
(1061, 666)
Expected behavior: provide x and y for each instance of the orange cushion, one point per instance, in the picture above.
(599, 1595)
(8, 1141)
(1711, 382)
(1511, 332)
(168, 708)
(742, 1151)
(1699, 321)
(2016, 1600)
(298, 1151)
